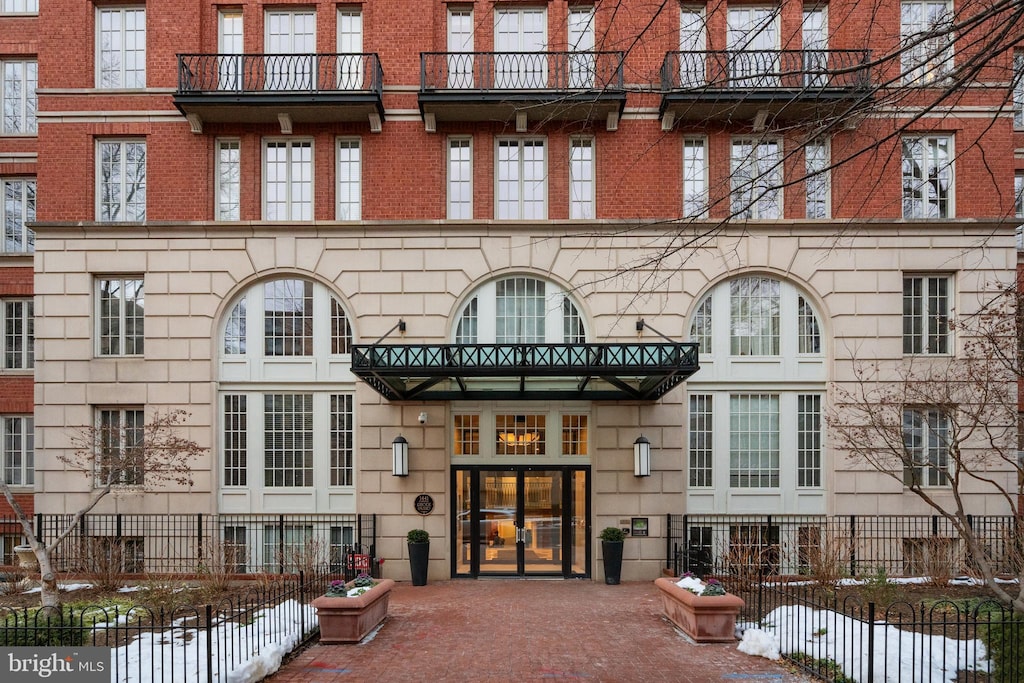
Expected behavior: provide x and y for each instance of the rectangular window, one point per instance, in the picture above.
(460, 178)
(815, 45)
(581, 47)
(19, 334)
(467, 435)
(926, 444)
(519, 434)
(121, 180)
(754, 441)
(121, 303)
(755, 316)
(121, 554)
(520, 44)
(581, 178)
(807, 331)
(701, 453)
(121, 45)
(349, 180)
(1018, 193)
(574, 435)
(692, 44)
(520, 311)
(1018, 90)
(695, 178)
(342, 448)
(460, 48)
(928, 177)
(19, 7)
(817, 185)
(808, 440)
(290, 43)
(19, 451)
(288, 180)
(926, 41)
(752, 39)
(19, 97)
(350, 47)
(235, 548)
(229, 180)
(236, 442)
(19, 209)
(288, 440)
(926, 304)
(287, 547)
(521, 180)
(756, 179)
(119, 451)
(288, 318)
(230, 47)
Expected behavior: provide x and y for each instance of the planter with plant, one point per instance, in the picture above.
(612, 541)
(348, 611)
(704, 611)
(419, 554)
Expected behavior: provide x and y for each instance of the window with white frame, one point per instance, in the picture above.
(517, 434)
(926, 41)
(1018, 89)
(1018, 192)
(926, 444)
(19, 450)
(235, 430)
(19, 334)
(18, 209)
(460, 48)
(121, 46)
(288, 547)
(349, 180)
(520, 44)
(120, 446)
(460, 178)
(19, 7)
(520, 310)
(695, 178)
(288, 439)
(19, 97)
(692, 44)
(751, 329)
(120, 305)
(121, 180)
(816, 184)
(928, 176)
(229, 180)
(926, 307)
(815, 46)
(756, 179)
(521, 182)
(581, 47)
(581, 178)
(230, 47)
(288, 180)
(351, 62)
(342, 448)
(290, 45)
(752, 39)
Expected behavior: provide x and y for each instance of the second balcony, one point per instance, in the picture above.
(521, 87)
(280, 88)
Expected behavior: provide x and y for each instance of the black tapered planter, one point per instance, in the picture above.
(419, 553)
(612, 552)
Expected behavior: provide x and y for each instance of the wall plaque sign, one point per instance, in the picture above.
(424, 504)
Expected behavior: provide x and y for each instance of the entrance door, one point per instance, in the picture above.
(521, 521)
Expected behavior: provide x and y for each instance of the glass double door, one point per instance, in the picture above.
(521, 521)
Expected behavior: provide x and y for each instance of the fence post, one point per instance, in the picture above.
(871, 642)
(280, 544)
(39, 527)
(209, 643)
(935, 525)
(199, 538)
(668, 540)
(685, 543)
(853, 545)
(302, 604)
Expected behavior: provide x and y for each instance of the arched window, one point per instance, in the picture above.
(755, 407)
(519, 310)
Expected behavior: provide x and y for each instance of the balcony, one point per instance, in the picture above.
(757, 84)
(286, 88)
(520, 86)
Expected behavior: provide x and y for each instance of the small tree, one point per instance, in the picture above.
(112, 454)
(945, 427)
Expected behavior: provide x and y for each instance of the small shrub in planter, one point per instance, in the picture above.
(612, 539)
(612, 534)
(419, 554)
(418, 536)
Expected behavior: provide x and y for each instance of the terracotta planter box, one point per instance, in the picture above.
(705, 619)
(348, 620)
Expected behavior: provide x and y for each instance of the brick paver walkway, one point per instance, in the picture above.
(509, 630)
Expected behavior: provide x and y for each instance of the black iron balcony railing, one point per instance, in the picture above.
(767, 70)
(505, 71)
(280, 74)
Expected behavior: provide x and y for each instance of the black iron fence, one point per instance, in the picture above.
(204, 543)
(855, 545)
(577, 70)
(279, 73)
(737, 70)
(184, 644)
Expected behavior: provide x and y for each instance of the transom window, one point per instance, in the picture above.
(520, 310)
(549, 436)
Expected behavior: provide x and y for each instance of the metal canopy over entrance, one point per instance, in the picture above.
(599, 372)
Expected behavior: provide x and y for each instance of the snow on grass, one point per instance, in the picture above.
(901, 655)
(66, 587)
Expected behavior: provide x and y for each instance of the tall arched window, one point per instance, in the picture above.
(755, 407)
(286, 398)
(519, 310)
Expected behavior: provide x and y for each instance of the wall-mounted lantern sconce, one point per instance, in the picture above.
(400, 457)
(642, 457)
